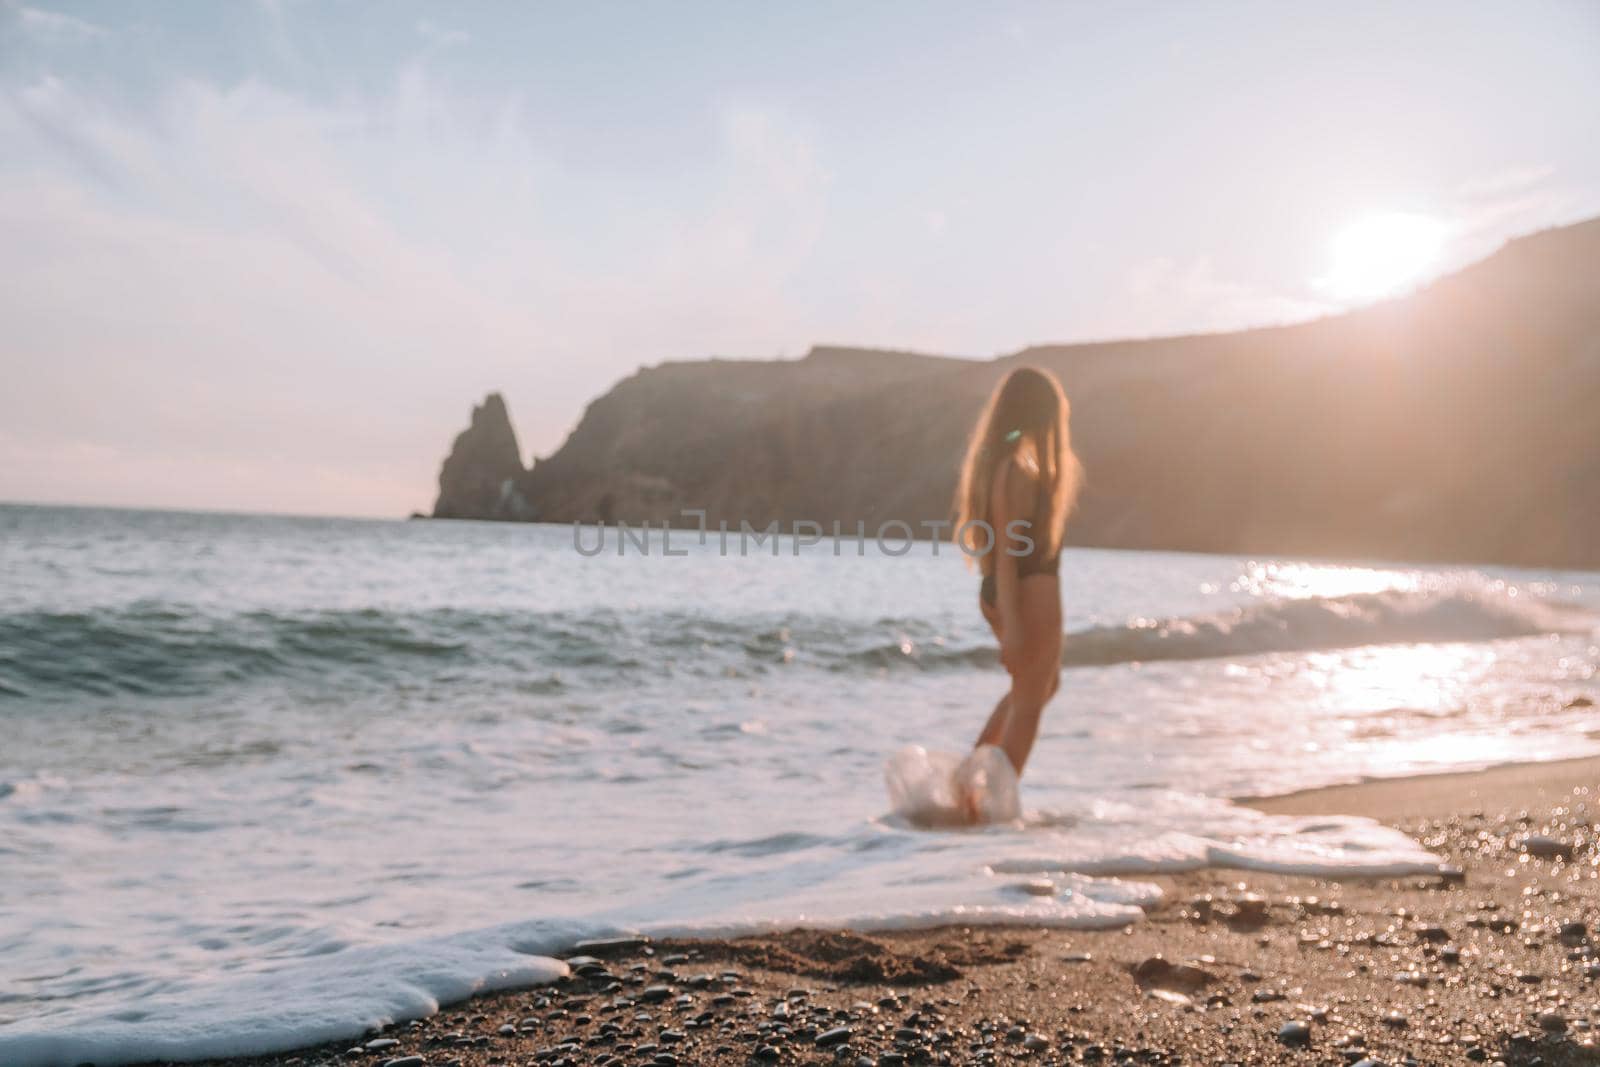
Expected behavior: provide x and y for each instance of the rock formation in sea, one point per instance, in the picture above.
(1460, 423)
(480, 477)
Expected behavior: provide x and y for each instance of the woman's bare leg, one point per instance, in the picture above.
(1031, 690)
(1037, 677)
(994, 729)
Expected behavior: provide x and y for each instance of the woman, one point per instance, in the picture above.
(1018, 483)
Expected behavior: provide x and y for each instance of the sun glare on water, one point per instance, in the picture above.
(1382, 255)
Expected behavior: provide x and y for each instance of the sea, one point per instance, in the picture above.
(268, 781)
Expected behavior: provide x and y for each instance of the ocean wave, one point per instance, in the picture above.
(173, 650)
(1308, 624)
(1301, 624)
(157, 649)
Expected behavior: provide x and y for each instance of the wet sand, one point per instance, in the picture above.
(1393, 800)
(1494, 961)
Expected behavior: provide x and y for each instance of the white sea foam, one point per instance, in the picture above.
(325, 998)
(1042, 869)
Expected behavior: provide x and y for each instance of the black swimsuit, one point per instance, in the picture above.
(1035, 562)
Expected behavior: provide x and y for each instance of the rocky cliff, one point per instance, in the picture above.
(479, 478)
(1460, 423)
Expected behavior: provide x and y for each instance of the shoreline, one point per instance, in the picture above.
(1435, 795)
(1491, 961)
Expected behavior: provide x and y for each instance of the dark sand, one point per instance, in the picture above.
(1493, 964)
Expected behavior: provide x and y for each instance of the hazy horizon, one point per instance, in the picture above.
(265, 256)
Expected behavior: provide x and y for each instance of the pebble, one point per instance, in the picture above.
(1157, 971)
(1545, 847)
(1039, 887)
(1250, 908)
(837, 1036)
(1295, 1033)
(407, 1061)
(381, 1043)
(1035, 1042)
(656, 994)
(1552, 1023)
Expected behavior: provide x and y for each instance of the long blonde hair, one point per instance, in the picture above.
(1028, 410)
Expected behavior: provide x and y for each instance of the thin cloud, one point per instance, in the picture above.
(1169, 296)
(437, 35)
(255, 284)
(58, 25)
(1501, 183)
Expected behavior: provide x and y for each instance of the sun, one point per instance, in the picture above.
(1382, 255)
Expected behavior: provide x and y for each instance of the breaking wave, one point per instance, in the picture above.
(1312, 623)
(176, 650)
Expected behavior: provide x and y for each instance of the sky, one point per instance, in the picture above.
(265, 256)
